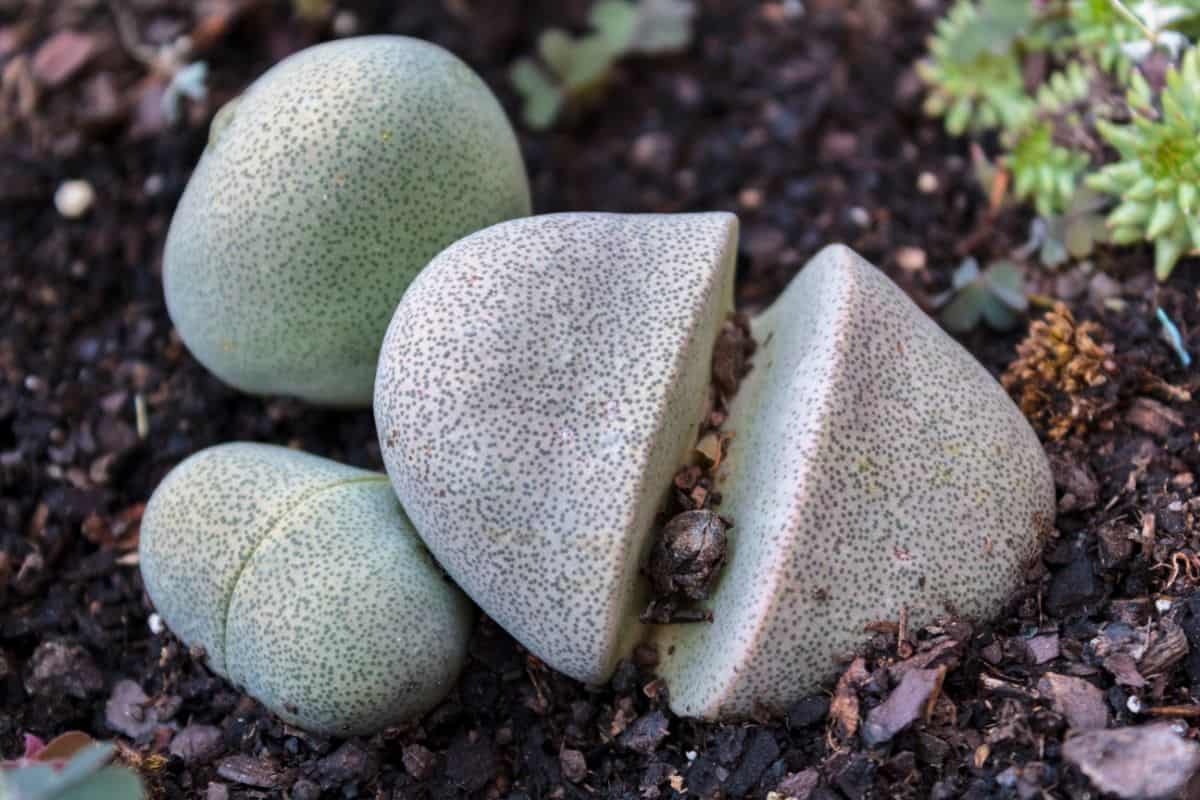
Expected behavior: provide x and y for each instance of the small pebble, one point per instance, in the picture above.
(927, 183)
(345, 23)
(911, 259)
(750, 199)
(73, 199)
(156, 624)
(860, 217)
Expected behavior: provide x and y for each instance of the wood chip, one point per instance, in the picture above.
(844, 708)
(904, 706)
(62, 56)
(1081, 703)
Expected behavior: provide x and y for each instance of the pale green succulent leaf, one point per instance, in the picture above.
(663, 26)
(110, 783)
(1126, 234)
(1167, 252)
(1007, 283)
(995, 27)
(1130, 213)
(998, 314)
(543, 98)
(555, 48)
(617, 21)
(1162, 219)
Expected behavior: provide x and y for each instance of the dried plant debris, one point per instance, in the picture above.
(689, 552)
(685, 564)
(1063, 375)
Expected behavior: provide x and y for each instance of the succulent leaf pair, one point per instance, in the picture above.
(875, 465)
(541, 381)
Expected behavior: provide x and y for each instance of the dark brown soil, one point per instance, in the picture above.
(809, 129)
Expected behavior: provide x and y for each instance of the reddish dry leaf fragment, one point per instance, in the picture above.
(61, 56)
(844, 708)
(904, 706)
(1168, 644)
(1079, 701)
(1042, 648)
(1124, 669)
(1153, 417)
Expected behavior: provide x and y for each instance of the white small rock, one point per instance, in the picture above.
(156, 624)
(73, 199)
(927, 183)
(345, 23)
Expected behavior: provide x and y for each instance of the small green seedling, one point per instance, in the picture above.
(69, 767)
(1075, 233)
(324, 189)
(876, 468)
(995, 295)
(574, 70)
(303, 582)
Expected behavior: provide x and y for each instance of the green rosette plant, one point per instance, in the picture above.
(1157, 178)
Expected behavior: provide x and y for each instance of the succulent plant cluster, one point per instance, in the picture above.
(541, 382)
(1074, 90)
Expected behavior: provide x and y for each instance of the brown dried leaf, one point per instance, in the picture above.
(62, 56)
(844, 710)
(1081, 703)
(904, 706)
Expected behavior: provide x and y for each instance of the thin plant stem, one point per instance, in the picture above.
(1124, 10)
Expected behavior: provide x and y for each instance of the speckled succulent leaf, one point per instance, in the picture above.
(539, 385)
(877, 467)
(334, 180)
(305, 584)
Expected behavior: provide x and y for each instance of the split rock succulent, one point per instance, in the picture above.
(543, 378)
(876, 467)
(539, 385)
(324, 189)
(304, 583)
